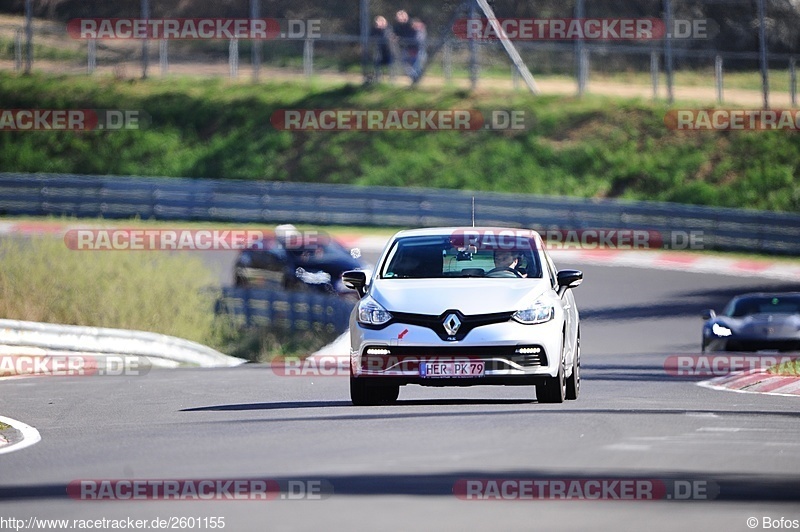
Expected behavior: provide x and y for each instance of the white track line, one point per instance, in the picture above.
(29, 435)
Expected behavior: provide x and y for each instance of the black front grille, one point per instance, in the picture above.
(436, 323)
(762, 345)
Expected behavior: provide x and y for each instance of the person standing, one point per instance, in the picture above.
(381, 36)
(421, 37)
(407, 41)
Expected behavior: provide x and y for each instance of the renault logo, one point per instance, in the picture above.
(451, 324)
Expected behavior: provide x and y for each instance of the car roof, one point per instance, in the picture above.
(433, 231)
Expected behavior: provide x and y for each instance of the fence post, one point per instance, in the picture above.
(654, 72)
(579, 51)
(718, 77)
(18, 50)
(364, 38)
(793, 82)
(308, 57)
(91, 49)
(163, 56)
(145, 52)
(514, 77)
(28, 36)
(762, 48)
(255, 52)
(473, 51)
(668, 49)
(233, 58)
(584, 68)
(447, 61)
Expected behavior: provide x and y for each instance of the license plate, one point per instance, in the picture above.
(451, 369)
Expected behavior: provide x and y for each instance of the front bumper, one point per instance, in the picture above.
(512, 353)
(749, 344)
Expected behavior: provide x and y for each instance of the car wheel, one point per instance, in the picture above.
(574, 380)
(362, 394)
(553, 389)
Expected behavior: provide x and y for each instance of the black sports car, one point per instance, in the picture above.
(290, 262)
(755, 322)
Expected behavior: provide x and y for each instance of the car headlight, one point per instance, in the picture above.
(720, 330)
(370, 312)
(538, 312)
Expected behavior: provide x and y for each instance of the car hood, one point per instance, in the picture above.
(785, 325)
(469, 295)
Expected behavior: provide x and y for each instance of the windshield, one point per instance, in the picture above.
(763, 305)
(321, 252)
(430, 257)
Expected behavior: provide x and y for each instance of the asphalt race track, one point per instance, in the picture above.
(395, 467)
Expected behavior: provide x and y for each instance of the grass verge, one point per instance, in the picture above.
(786, 369)
(43, 281)
(591, 147)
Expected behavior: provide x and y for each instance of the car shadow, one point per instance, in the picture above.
(290, 405)
(717, 487)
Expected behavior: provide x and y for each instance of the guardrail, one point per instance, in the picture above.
(103, 341)
(295, 311)
(325, 204)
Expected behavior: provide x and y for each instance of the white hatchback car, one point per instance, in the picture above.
(464, 306)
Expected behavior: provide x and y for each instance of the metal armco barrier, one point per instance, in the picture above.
(103, 341)
(295, 311)
(324, 204)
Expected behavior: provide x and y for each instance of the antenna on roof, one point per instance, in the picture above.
(473, 211)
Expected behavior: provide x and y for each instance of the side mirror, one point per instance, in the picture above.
(356, 280)
(709, 314)
(568, 279)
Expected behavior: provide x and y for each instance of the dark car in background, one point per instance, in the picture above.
(755, 322)
(295, 260)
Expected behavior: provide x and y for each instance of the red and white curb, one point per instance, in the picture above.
(755, 381)
(30, 435)
(694, 262)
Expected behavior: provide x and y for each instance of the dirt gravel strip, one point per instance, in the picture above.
(18, 436)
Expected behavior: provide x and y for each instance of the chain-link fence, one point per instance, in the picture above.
(741, 54)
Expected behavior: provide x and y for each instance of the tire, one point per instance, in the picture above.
(574, 380)
(554, 389)
(361, 394)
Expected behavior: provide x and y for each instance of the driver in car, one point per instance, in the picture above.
(506, 264)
